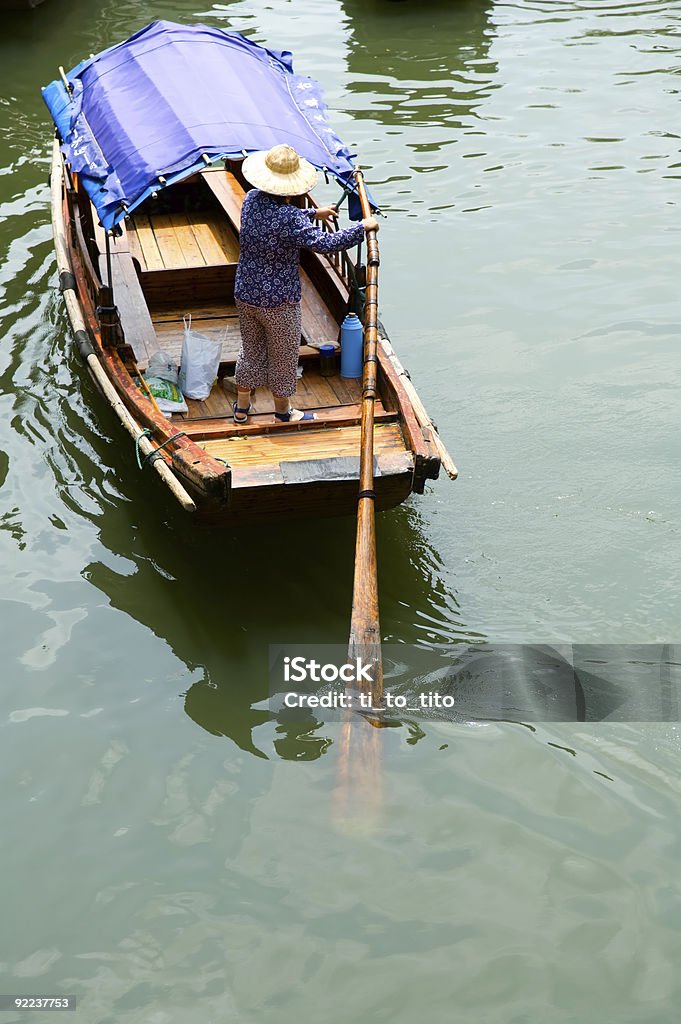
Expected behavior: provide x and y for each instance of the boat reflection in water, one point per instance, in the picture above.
(434, 53)
(220, 597)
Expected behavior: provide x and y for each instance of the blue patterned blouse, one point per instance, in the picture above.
(272, 234)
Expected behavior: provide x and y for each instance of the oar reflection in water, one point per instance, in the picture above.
(487, 682)
(358, 797)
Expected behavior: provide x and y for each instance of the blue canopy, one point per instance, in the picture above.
(153, 106)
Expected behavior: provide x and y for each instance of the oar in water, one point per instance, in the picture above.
(365, 634)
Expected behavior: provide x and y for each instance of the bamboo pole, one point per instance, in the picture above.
(93, 364)
(365, 634)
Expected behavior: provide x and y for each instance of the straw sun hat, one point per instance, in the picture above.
(280, 171)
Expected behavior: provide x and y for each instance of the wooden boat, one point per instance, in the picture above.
(128, 293)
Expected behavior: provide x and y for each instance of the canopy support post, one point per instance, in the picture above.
(107, 312)
(107, 237)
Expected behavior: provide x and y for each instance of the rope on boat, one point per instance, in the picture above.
(144, 433)
(156, 454)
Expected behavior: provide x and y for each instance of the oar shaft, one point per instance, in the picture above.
(365, 634)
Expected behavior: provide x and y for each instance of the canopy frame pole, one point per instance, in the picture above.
(107, 313)
(108, 261)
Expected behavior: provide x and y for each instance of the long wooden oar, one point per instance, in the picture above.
(358, 796)
(365, 633)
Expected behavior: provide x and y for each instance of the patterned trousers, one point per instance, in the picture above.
(270, 343)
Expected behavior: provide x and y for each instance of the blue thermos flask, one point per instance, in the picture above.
(352, 347)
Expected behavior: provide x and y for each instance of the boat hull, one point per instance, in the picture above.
(319, 500)
(222, 472)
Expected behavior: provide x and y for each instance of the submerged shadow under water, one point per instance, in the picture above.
(219, 596)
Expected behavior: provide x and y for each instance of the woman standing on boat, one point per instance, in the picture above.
(267, 289)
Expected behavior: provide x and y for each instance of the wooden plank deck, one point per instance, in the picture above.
(314, 392)
(215, 320)
(170, 334)
(213, 428)
(171, 241)
(148, 252)
(280, 447)
(312, 471)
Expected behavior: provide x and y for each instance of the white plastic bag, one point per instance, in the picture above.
(199, 363)
(162, 365)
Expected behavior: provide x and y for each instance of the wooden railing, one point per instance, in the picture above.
(340, 260)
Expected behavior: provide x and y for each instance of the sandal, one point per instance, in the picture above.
(240, 415)
(291, 417)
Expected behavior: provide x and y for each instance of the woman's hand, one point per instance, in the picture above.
(326, 213)
(370, 224)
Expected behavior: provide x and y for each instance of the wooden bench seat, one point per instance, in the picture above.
(136, 322)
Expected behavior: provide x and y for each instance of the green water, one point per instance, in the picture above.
(169, 853)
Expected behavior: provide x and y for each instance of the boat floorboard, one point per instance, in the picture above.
(213, 427)
(222, 321)
(170, 333)
(215, 320)
(170, 241)
(279, 448)
(313, 392)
